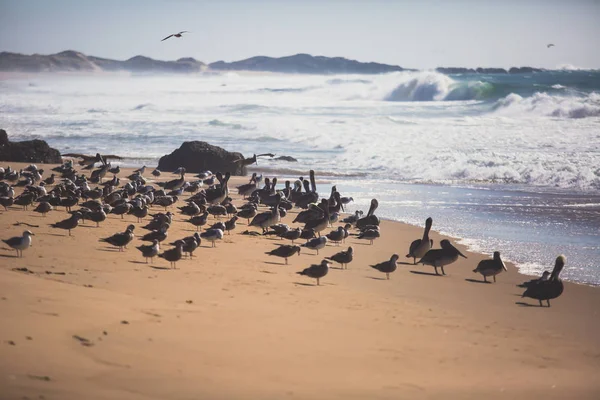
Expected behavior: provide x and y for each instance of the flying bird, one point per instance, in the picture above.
(550, 45)
(178, 35)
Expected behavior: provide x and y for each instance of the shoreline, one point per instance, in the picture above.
(235, 323)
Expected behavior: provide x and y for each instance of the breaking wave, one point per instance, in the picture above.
(550, 105)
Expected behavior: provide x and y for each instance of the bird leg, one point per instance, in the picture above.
(443, 272)
(541, 304)
(387, 275)
(436, 271)
(485, 279)
(548, 300)
(494, 278)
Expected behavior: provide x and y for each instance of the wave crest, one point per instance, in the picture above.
(550, 105)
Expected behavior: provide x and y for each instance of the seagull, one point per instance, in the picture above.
(550, 45)
(20, 243)
(178, 35)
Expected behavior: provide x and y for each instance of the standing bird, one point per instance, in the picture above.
(284, 251)
(149, 251)
(419, 247)
(491, 267)
(173, 255)
(69, 223)
(20, 243)
(438, 258)
(212, 235)
(369, 234)
(177, 35)
(316, 271)
(316, 243)
(121, 239)
(343, 257)
(387, 267)
(548, 289)
(43, 208)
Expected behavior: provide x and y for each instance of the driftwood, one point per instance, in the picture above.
(26, 224)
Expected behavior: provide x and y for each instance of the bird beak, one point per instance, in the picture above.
(504, 267)
(461, 254)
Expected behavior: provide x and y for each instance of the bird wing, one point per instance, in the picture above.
(182, 32)
(166, 37)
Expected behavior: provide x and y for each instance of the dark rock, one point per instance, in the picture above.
(199, 156)
(30, 151)
(286, 158)
(455, 70)
(491, 71)
(523, 70)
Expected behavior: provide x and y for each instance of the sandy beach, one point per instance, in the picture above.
(85, 321)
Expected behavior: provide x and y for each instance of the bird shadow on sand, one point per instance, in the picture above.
(138, 262)
(8, 256)
(523, 304)
(405, 263)
(110, 249)
(362, 243)
(161, 268)
(274, 263)
(376, 278)
(57, 234)
(264, 271)
(425, 273)
(476, 281)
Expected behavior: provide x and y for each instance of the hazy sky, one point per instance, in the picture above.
(417, 34)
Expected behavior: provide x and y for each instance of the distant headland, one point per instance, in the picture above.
(74, 61)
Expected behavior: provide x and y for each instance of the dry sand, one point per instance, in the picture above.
(89, 322)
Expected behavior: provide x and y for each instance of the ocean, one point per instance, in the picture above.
(501, 162)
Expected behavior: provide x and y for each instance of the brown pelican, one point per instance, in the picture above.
(387, 267)
(370, 218)
(343, 257)
(419, 247)
(548, 289)
(316, 271)
(177, 35)
(284, 251)
(438, 258)
(20, 243)
(491, 267)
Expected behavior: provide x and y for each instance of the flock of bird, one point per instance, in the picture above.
(208, 195)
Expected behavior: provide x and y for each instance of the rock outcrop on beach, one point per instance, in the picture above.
(199, 156)
(29, 151)
(305, 64)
